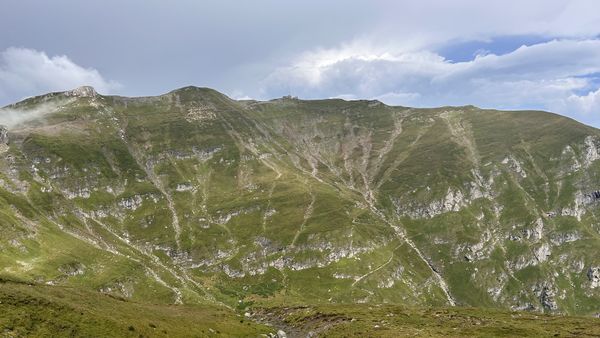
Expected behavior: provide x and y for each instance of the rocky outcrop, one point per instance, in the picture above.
(120, 288)
(72, 269)
(514, 165)
(536, 232)
(591, 150)
(453, 201)
(577, 208)
(561, 238)
(3, 135)
(131, 203)
(593, 275)
(181, 187)
(77, 193)
(542, 253)
(547, 294)
(83, 91)
(3, 139)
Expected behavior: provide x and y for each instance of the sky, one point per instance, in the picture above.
(509, 54)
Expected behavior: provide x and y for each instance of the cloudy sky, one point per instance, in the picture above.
(509, 54)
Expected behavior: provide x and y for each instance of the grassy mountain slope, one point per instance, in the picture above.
(385, 320)
(44, 311)
(191, 197)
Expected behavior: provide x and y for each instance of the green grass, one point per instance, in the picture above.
(45, 311)
(400, 321)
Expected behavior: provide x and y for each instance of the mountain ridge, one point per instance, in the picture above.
(289, 97)
(201, 198)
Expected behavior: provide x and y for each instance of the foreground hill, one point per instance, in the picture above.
(55, 311)
(191, 197)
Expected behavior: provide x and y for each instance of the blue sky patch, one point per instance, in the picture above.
(466, 51)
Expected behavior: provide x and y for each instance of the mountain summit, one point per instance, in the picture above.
(83, 91)
(192, 197)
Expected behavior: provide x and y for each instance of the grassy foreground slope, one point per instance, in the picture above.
(55, 311)
(397, 321)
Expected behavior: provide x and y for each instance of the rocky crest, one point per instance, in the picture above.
(83, 91)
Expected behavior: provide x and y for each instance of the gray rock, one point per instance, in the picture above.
(83, 91)
(3, 135)
(594, 276)
(72, 269)
(542, 253)
(547, 298)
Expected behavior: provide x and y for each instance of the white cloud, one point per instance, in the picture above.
(543, 76)
(589, 103)
(428, 22)
(11, 117)
(386, 49)
(25, 72)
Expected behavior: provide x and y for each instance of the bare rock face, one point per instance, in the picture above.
(542, 253)
(83, 91)
(3, 135)
(594, 276)
(591, 150)
(3, 139)
(72, 269)
(547, 297)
